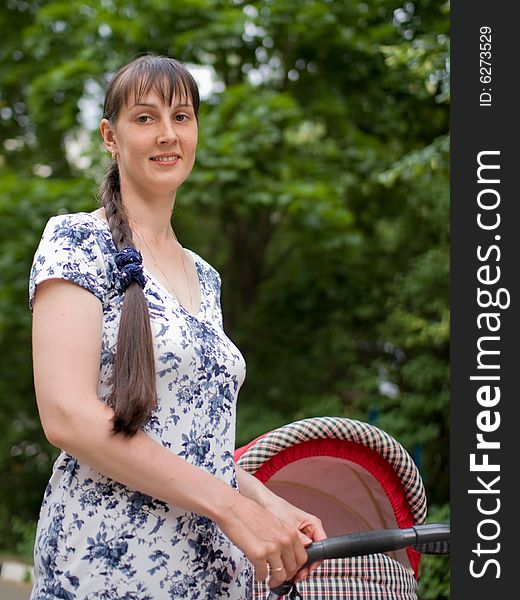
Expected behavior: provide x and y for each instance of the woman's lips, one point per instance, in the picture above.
(166, 160)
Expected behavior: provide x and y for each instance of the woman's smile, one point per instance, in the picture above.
(166, 160)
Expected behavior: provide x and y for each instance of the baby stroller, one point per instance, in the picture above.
(356, 478)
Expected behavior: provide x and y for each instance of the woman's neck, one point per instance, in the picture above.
(152, 218)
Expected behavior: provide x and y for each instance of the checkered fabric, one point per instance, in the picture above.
(343, 429)
(375, 577)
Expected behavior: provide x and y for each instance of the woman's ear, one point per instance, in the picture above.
(107, 132)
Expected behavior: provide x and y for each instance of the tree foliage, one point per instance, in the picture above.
(320, 193)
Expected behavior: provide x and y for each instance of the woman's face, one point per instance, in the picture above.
(155, 144)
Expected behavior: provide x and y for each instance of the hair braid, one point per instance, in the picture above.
(114, 209)
(133, 396)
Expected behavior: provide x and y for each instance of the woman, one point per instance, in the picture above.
(136, 383)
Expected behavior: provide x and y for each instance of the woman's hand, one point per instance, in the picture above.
(306, 526)
(309, 527)
(275, 546)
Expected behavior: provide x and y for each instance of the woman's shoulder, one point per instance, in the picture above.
(78, 220)
(79, 229)
(76, 247)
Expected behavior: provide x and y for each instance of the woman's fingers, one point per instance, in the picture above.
(268, 542)
(304, 539)
(282, 556)
(277, 572)
(301, 575)
(311, 530)
(261, 569)
(293, 552)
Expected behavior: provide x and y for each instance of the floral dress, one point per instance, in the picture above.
(96, 538)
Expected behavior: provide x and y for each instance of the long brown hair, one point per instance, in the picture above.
(134, 396)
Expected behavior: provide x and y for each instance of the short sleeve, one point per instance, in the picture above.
(69, 249)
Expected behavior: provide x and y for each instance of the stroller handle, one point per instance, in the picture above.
(433, 538)
(372, 542)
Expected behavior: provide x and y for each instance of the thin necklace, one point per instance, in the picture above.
(164, 274)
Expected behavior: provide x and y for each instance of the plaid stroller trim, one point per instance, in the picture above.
(375, 577)
(346, 429)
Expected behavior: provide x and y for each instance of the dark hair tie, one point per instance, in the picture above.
(130, 264)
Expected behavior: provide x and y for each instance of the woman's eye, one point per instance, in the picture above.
(143, 118)
(181, 118)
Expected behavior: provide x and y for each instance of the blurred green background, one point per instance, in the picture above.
(320, 193)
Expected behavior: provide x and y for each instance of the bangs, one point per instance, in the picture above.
(164, 76)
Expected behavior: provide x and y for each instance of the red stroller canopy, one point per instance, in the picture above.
(355, 477)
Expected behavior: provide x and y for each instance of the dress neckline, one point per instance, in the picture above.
(154, 280)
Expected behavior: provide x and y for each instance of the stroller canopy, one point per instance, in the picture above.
(355, 477)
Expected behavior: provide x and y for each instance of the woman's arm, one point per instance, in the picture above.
(252, 488)
(67, 334)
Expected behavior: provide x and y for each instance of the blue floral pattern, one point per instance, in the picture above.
(96, 538)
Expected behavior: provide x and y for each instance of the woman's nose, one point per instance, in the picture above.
(167, 133)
